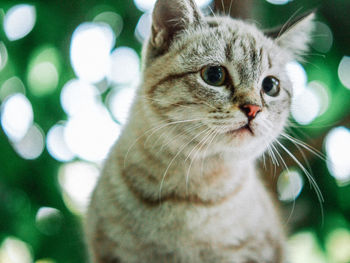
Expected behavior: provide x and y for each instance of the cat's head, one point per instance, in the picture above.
(220, 77)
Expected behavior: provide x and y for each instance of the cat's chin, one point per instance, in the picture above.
(243, 141)
(246, 129)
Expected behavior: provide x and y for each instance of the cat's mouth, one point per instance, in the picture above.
(243, 129)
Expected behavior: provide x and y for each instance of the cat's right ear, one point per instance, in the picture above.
(170, 17)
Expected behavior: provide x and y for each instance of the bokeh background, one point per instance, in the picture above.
(68, 71)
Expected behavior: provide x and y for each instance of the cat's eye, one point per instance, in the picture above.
(214, 75)
(271, 86)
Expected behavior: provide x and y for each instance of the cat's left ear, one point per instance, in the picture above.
(295, 35)
(170, 17)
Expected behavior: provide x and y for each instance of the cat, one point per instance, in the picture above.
(181, 184)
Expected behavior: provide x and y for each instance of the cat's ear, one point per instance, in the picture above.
(171, 17)
(295, 35)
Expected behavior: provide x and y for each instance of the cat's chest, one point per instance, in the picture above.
(248, 213)
(205, 232)
(214, 234)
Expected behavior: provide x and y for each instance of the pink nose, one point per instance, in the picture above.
(250, 110)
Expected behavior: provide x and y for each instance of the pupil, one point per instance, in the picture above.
(268, 84)
(214, 74)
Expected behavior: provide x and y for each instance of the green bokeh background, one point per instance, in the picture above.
(27, 185)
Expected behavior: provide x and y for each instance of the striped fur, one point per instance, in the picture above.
(180, 185)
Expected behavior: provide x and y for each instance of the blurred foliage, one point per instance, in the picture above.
(27, 185)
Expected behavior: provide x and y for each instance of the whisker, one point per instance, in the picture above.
(308, 175)
(153, 128)
(269, 148)
(223, 6)
(161, 127)
(279, 155)
(287, 169)
(179, 135)
(299, 144)
(199, 145)
(173, 159)
(205, 152)
(302, 154)
(264, 160)
(312, 64)
(305, 146)
(217, 20)
(229, 10)
(164, 133)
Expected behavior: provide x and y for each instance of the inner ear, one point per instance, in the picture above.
(278, 31)
(295, 35)
(170, 17)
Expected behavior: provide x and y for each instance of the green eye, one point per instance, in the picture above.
(271, 86)
(214, 75)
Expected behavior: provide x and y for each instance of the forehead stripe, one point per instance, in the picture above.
(228, 51)
(168, 78)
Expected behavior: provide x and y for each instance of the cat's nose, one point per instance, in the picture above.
(251, 110)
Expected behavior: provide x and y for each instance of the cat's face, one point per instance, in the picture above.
(224, 78)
